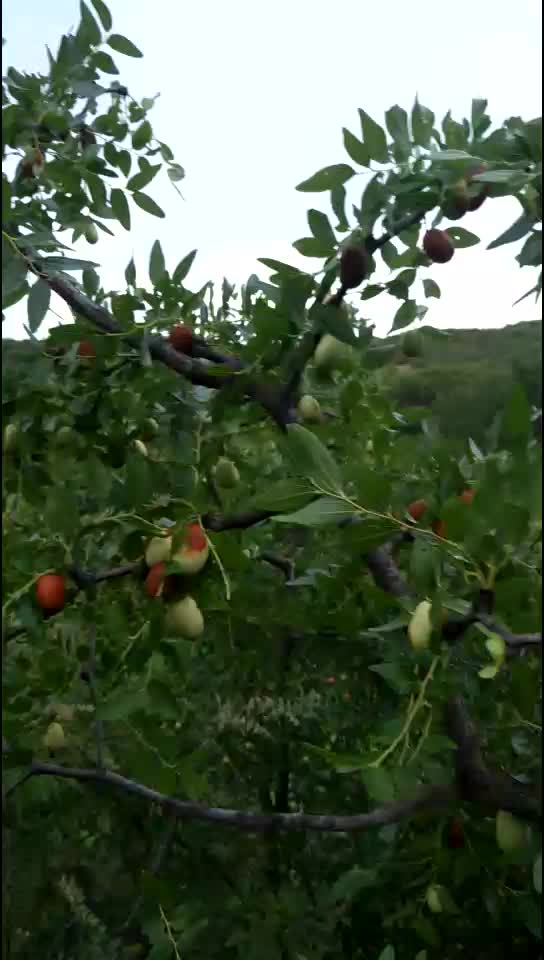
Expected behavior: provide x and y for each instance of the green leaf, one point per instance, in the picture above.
(122, 45)
(148, 204)
(88, 27)
(38, 304)
(374, 138)
(176, 173)
(311, 247)
(537, 874)
(321, 228)
(396, 121)
(388, 953)
(144, 177)
(496, 176)
(405, 315)
(157, 266)
(319, 513)
(124, 161)
(517, 231)
(462, 237)
(183, 267)
(356, 149)
(422, 124)
(331, 320)
(103, 13)
(311, 459)
(338, 204)
(350, 883)
(104, 62)
(378, 783)
(372, 290)
(119, 205)
(327, 179)
(437, 156)
(142, 135)
(130, 273)
(431, 289)
(477, 116)
(66, 263)
(282, 496)
(531, 253)
(279, 267)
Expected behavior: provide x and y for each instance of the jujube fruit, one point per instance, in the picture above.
(432, 897)
(467, 496)
(417, 508)
(154, 582)
(54, 738)
(477, 199)
(439, 528)
(194, 552)
(455, 835)
(51, 592)
(181, 338)
(185, 618)
(308, 408)
(226, 473)
(10, 438)
(511, 834)
(438, 246)
(91, 233)
(457, 201)
(158, 550)
(140, 446)
(330, 353)
(420, 627)
(150, 428)
(354, 263)
(86, 351)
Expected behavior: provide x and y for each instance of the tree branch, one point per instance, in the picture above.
(267, 395)
(476, 781)
(425, 800)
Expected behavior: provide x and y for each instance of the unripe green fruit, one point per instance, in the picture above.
(150, 428)
(309, 408)
(510, 833)
(226, 474)
(54, 738)
(420, 627)
(91, 233)
(158, 550)
(64, 436)
(10, 438)
(412, 345)
(330, 353)
(432, 897)
(140, 446)
(185, 618)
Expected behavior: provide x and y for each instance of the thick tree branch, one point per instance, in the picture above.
(476, 781)
(425, 800)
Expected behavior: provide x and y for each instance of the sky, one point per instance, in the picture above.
(253, 98)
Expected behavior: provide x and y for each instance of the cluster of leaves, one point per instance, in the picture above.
(303, 693)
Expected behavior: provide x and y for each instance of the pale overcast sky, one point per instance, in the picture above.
(253, 99)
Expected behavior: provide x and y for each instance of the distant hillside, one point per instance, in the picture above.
(463, 377)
